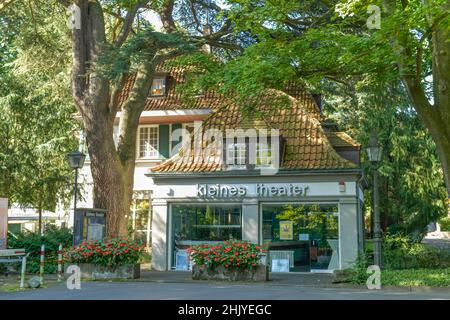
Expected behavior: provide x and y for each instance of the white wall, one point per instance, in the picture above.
(185, 190)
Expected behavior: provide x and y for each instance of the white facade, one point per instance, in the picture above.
(340, 190)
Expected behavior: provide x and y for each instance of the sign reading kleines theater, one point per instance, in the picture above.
(260, 190)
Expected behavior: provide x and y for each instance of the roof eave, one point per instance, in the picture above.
(254, 173)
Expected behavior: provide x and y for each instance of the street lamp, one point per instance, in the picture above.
(76, 160)
(374, 152)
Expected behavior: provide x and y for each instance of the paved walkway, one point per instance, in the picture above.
(438, 243)
(303, 279)
(211, 291)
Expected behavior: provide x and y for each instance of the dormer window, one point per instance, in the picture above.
(237, 155)
(158, 87)
(259, 154)
(263, 154)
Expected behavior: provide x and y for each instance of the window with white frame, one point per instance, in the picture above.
(236, 154)
(148, 142)
(158, 87)
(263, 154)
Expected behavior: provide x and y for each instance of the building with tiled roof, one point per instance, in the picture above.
(286, 178)
(307, 146)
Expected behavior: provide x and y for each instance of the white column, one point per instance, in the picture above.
(160, 232)
(250, 220)
(348, 234)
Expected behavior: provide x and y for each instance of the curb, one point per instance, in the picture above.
(426, 289)
(397, 288)
(422, 289)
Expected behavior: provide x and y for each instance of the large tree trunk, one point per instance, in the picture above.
(96, 98)
(113, 178)
(113, 181)
(436, 115)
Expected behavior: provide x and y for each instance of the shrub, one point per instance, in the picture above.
(399, 252)
(445, 224)
(416, 277)
(112, 253)
(359, 270)
(32, 242)
(231, 255)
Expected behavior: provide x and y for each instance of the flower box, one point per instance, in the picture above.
(221, 273)
(231, 260)
(96, 272)
(111, 259)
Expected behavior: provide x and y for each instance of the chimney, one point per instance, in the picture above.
(318, 99)
(207, 30)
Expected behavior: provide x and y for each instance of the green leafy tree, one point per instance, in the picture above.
(309, 41)
(36, 123)
(115, 40)
(391, 79)
(412, 188)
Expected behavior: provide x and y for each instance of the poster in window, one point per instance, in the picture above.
(280, 265)
(95, 232)
(182, 260)
(303, 237)
(286, 230)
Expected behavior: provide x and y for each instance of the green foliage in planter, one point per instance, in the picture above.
(31, 242)
(445, 224)
(112, 253)
(231, 254)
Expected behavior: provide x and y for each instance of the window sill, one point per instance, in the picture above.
(141, 160)
(86, 162)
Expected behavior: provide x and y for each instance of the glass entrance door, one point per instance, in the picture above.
(301, 237)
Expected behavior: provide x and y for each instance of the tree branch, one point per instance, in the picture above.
(422, 39)
(65, 3)
(128, 22)
(194, 14)
(115, 94)
(5, 3)
(166, 15)
(79, 60)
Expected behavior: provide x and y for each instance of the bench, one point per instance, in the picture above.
(15, 255)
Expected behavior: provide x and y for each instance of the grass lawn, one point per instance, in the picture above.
(416, 277)
(12, 283)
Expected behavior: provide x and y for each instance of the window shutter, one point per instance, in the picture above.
(164, 140)
(175, 126)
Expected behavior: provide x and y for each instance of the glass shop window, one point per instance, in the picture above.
(203, 223)
(301, 237)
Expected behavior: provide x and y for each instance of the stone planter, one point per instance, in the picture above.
(96, 272)
(261, 273)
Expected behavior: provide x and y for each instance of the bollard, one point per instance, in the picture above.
(41, 269)
(60, 263)
(22, 274)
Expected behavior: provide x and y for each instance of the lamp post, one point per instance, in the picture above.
(374, 152)
(76, 160)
